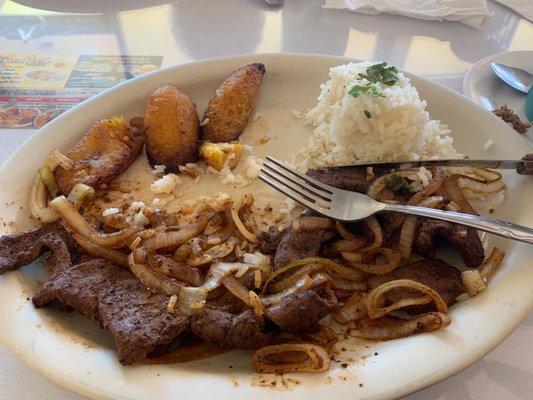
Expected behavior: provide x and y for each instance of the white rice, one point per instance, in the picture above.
(399, 127)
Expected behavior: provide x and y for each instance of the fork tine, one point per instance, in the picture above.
(295, 181)
(293, 194)
(307, 179)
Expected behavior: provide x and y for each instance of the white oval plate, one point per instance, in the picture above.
(490, 92)
(70, 351)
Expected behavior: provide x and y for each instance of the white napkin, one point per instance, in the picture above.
(470, 12)
(522, 7)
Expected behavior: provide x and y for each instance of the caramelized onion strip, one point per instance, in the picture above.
(76, 222)
(352, 310)
(392, 257)
(315, 358)
(311, 224)
(105, 253)
(246, 201)
(375, 299)
(388, 330)
(174, 238)
(149, 277)
(491, 264)
(455, 193)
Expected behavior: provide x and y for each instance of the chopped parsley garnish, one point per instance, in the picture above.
(397, 183)
(367, 113)
(372, 89)
(381, 73)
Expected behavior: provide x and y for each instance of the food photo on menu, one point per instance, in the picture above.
(181, 217)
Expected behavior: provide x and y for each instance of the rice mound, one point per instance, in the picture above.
(399, 127)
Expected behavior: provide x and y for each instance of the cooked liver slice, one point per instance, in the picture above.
(117, 302)
(465, 240)
(301, 312)
(230, 331)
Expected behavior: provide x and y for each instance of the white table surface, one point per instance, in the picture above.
(184, 31)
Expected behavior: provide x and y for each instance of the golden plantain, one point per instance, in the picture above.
(172, 130)
(103, 153)
(231, 106)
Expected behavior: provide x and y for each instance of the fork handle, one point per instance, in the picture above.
(491, 225)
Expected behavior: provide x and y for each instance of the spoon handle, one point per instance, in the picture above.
(491, 225)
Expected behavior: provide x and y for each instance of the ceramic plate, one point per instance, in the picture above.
(487, 90)
(69, 350)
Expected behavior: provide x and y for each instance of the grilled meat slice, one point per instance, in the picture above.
(230, 331)
(438, 275)
(117, 302)
(354, 179)
(465, 240)
(23, 248)
(294, 246)
(301, 312)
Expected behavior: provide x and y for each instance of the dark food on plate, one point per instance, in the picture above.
(216, 274)
(172, 128)
(106, 150)
(509, 116)
(232, 105)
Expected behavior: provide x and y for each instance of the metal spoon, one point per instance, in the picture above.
(514, 77)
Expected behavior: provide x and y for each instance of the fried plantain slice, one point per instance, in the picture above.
(103, 153)
(231, 106)
(172, 130)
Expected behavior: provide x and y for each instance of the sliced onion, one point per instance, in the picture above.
(407, 236)
(388, 330)
(214, 224)
(256, 304)
(301, 285)
(81, 193)
(350, 245)
(374, 299)
(174, 238)
(316, 359)
(393, 261)
(491, 264)
(181, 272)
(352, 310)
(237, 289)
(152, 279)
(455, 193)
(49, 180)
(327, 264)
(345, 284)
(473, 281)
(407, 233)
(246, 201)
(374, 226)
(291, 280)
(345, 232)
(311, 224)
(191, 300)
(351, 256)
(39, 203)
(98, 251)
(480, 187)
(219, 251)
(77, 223)
(55, 158)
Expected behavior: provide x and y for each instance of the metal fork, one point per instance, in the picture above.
(349, 206)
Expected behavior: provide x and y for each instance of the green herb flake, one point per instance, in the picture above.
(358, 90)
(381, 73)
(367, 113)
(397, 183)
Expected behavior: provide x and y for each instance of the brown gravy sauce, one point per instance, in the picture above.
(191, 349)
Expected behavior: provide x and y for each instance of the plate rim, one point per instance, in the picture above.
(82, 388)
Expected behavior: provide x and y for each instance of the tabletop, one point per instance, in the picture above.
(183, 31)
